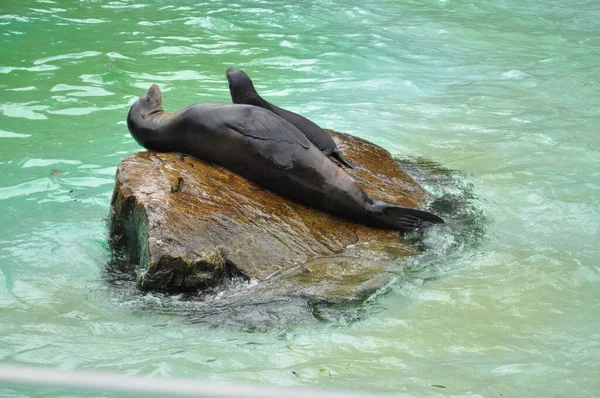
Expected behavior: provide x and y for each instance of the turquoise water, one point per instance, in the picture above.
(506, 93)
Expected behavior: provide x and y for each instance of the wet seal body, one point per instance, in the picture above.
(267, 150)
(242, 91)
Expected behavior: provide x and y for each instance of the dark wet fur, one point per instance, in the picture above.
(242, 91)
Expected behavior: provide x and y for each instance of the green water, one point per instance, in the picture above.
(506, 93)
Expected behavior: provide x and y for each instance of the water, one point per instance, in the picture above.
(507, 94)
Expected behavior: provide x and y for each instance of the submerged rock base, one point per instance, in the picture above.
(190, 226)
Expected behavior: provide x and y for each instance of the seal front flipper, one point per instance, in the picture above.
(338, 155)
(400, 217)
(261, 124)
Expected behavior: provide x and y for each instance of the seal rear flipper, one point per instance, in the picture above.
(338, 155)
(401, 218)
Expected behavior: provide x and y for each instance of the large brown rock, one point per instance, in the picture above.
(188, 225)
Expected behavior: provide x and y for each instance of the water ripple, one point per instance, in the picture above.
(66, 56)
(39, 68)
(81, 91)
(84, 21)
(23, 110)
(28, 188)
(172, 50)
(8, 134)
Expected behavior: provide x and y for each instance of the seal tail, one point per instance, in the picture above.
(401, 218)
(338, 155)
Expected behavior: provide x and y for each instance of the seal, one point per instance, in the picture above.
(266, 149)
(242, 91)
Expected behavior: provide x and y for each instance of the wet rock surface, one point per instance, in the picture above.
(189, 226)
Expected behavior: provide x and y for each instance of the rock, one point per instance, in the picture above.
(190, 226)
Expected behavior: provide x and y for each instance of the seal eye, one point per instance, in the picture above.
(147, 99)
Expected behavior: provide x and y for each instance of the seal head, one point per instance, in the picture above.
(147, 105)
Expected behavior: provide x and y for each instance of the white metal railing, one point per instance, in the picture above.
(84, 380)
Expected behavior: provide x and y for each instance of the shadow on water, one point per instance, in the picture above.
(244, 305)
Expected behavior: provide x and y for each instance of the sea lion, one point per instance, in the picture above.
(266, 149)
(242, 91)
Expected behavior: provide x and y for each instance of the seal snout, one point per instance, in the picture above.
(154, 90)
(154, 93)
(233, 72)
